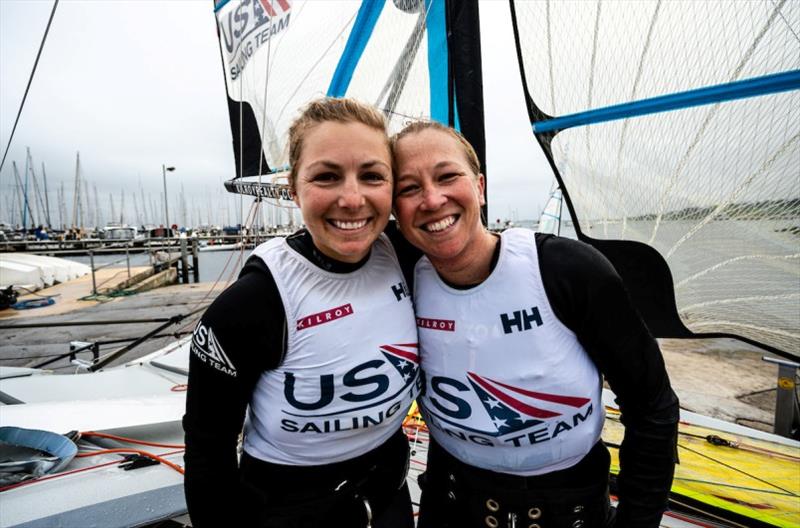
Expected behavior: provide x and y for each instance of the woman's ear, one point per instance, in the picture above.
(481, 189)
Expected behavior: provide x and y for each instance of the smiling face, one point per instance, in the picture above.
(344, 187)
(438, 198)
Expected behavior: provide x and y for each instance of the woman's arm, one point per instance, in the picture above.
(588, 297)
(238, 337)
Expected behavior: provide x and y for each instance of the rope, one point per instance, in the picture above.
(141, 452)
(130, 440)
(33, 303)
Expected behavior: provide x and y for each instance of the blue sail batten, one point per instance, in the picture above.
(437, 59)
(365, 22)
(757, 86)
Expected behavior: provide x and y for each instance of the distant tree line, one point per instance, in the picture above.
(784, 209)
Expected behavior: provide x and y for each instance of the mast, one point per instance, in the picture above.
(37, 193)
(97, 211)
(76, 196)
(113, 212)
(27, 204)
(122, 207)
(91, 213)
(46, 199)
(62, 206)
(152, 209)
(136, 211)
(183, 207)
(17, 192)
(144, 204)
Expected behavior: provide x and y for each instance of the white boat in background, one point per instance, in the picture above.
(221, 247)
(22, 276)
(123, 233)
(34, 272)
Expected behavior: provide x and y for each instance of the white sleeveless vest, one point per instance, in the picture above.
(350, 370)
(508, 387)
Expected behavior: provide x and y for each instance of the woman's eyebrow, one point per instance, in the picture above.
(372, 163)
(335, 166)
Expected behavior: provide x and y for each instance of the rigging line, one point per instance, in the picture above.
(707, 514)
(735, 194)
(197, 307)
(715, 267)
(313, 66)
(402, 68)
(273, 144)
(550, 59)
(733, 324)
(732, 486)
(745, 473)
(786, 296)
(788, 26)
(30, 80)
(707, 121)
(614, 416)
(590, 159)
(266, 89)
(632, 97)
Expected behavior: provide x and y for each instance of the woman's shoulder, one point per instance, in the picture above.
(572, 258)
(248, 296)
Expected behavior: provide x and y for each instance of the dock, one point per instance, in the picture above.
(43, 335)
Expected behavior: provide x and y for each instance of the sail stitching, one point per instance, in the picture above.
(592, 171)
(626, 122)
(712, 112)
(715, 267)
(734, 300)
(735, 324)
(313, 67)
(731, 198)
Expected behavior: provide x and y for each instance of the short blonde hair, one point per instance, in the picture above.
(322, 110)
(418, 126)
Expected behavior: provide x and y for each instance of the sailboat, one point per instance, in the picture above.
(684, 131)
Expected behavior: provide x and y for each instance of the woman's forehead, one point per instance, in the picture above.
(430, 146)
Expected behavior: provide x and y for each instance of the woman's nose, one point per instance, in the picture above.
(433, 198)
(351, 196)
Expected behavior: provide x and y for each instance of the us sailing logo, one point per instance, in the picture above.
(207, 348)
(366, 395)
(247, 25)
(513, 415)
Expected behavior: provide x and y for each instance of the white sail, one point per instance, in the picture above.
(713, 187)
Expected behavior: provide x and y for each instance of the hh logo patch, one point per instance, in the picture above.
(325, 317)
(436, 324)
(207, 348)
(520, 320)
(400, 290)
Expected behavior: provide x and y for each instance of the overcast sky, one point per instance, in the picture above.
(133, 85)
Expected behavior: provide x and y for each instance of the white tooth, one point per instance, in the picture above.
(349, 225)
(441, 224)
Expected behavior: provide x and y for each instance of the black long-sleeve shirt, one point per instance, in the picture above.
(587, 295)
